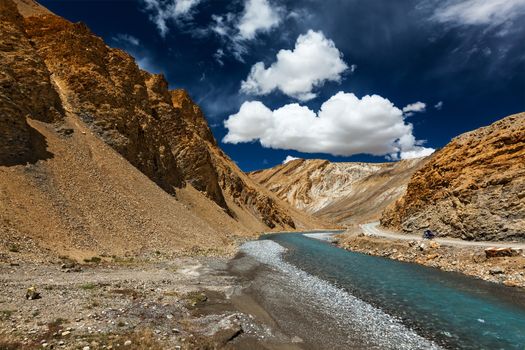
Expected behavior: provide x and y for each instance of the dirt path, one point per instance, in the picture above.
(372, 229)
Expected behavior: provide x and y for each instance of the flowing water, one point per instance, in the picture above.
(374, 302)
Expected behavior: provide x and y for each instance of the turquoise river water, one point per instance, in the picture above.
(453, 310)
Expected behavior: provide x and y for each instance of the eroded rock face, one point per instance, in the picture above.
(340, 192)
(163, 133)
(106, 89)
(473, 188)
(25, 92)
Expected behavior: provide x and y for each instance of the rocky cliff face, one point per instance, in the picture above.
(20, 96)
(78, 119)
(473, 188)
(163, 133)
(343, 193)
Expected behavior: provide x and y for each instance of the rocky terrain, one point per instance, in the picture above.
(507, 268)
(343, 193)
(473, 188)
(114, 303)
(99, 157)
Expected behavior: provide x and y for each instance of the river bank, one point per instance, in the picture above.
(471, 261)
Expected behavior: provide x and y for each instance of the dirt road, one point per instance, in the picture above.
(373, 229)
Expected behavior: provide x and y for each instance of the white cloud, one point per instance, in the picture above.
(412, 108)
(126, 39)
(479, 12)
(345, 125)
(313, 61)
(219, 55)
(258, 16)
(163, 11)
(289, 159)
(438, 105)
(236, 30)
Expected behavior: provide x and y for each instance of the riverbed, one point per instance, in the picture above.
(324, 297)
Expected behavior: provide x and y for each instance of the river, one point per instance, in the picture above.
(329, 298)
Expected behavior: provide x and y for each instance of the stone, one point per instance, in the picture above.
(127, 343)
(434, 245)
(494, 252)
(32, 293)
(496, 271)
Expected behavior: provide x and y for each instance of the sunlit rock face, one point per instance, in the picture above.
(62, 67)
(473, 188)
(341, 192)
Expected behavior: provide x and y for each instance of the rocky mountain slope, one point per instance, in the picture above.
(473, 188)
(343, 193)
(80, 118)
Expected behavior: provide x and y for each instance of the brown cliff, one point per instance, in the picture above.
(344, 193)
(65, 97)
(473, 188)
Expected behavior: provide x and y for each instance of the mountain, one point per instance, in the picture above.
(98, 154)
(473, 188)
(343, 193)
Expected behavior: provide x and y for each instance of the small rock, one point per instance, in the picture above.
(501, 252)
(127, 343)
(66, 333)
(496, 271)
(86, 348)
(32, 294)
(434, 245)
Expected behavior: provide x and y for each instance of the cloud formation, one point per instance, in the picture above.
(412, 108)
(258, 16)
(126, 39)
(479, 12)
(312, 62)
(289, 159)
(438, 105)
(345, 125)
(164, 11)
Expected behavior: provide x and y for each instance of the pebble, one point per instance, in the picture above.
(127, 343)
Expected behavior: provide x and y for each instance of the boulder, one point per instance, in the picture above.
(494, 252)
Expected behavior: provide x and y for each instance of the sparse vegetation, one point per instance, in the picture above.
(88, 286)
(195, 298)
(93, 260)
(5, 315)
(13, 248)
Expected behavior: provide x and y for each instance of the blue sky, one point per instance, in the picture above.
(345, 80)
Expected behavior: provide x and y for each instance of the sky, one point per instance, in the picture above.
(344, 80)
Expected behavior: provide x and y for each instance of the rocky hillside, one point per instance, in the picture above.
(73, 109)
(343, 193)
(473, 188)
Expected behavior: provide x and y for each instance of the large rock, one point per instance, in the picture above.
(473, 188)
